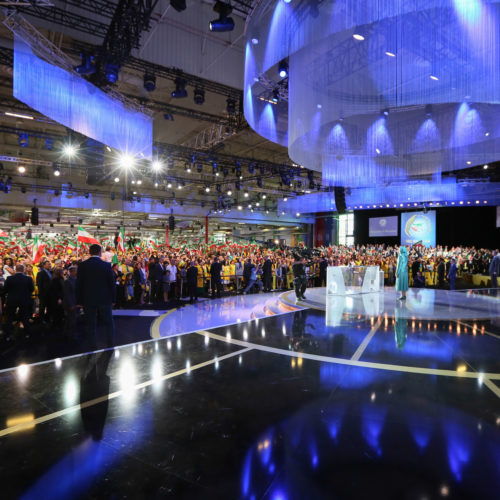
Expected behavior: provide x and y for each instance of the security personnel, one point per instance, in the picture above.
(299, 277)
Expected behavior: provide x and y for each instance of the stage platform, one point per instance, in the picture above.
(282, 406)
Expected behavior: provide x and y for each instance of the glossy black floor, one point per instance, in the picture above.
(280, 408)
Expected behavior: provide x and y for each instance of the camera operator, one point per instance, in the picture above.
(299, 277)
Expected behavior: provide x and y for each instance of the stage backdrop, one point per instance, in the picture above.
(418, 227)
(383, 226)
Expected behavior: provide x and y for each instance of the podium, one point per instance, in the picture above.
(348, 280)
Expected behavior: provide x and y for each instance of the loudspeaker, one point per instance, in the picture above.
(34, 216)
(339, 192)
(171, 223)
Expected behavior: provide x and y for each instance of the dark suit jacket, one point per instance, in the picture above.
(95, 283)
(192, 276)
(18, 289)
(43, 283)
(215, 270)
(247, 270)
(267, 268)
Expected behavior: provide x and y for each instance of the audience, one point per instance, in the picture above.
(168, 274)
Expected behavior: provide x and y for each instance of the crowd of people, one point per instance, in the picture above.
(47, 291)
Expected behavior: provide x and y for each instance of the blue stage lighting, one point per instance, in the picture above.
(111, 72)
(276, 95)
(87, 67)
(149, 82)
(283, 69)
(223, 23)
(180, 89)
(23, 140)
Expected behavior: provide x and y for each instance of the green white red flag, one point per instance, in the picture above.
(38, 250)
(121, 240)
(3, 234)
(85, 237)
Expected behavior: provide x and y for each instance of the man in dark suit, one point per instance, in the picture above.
(440, 273)
(18, 289)
(43, 279)
(267, 274)
(69, 300)
(192, 283)
(95, 291)
(215, 271)
(323, 266)
(247, 271)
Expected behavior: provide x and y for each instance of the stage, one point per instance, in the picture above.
(281, 406)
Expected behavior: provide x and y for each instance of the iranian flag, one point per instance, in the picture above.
(121, 240)
(85, 237)
(38, 249)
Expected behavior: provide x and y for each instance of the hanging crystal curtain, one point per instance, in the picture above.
(377, 90)
(77, 104)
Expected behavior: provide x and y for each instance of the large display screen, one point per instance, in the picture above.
(498, 216)
(383, 226)
(418, 227)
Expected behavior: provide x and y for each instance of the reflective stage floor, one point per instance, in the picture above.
(382, 406)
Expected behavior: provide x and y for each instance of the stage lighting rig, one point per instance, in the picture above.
(178, 5)
(199, 96)
(149, 82)
(180, 88)
(223, 23)
(87, 67)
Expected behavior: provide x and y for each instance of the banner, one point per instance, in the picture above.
(418, 227)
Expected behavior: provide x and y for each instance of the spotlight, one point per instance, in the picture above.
(385, 112)
(229, 192)
(255, 41)
(21, 169)
(485, 167)
(207, 190)
(178, 5)
(245, 194)
(149, 82)
(69, 150)
(86, 196)
(126, 161)
(428, 110)
(87, 67)
(276, 95)
(156, 165)
(23, 140)
(223, 23)
(57, 171)
(180, 88)
(111, 72)
(283, 69)
(264, 196)
(199, 96)
(390, 54)
(358, 36)
(434, 77)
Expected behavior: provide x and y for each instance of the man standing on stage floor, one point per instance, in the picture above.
(95, 291)
(43, 282)
(452, 274)
(440, 273)
(494, 269)
(18, 288)
(299, 277)
(267, 274)
(215, 277)
(192, 283)
(323, 266)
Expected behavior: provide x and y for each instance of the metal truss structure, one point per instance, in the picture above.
(131, 18)
(46, 50)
